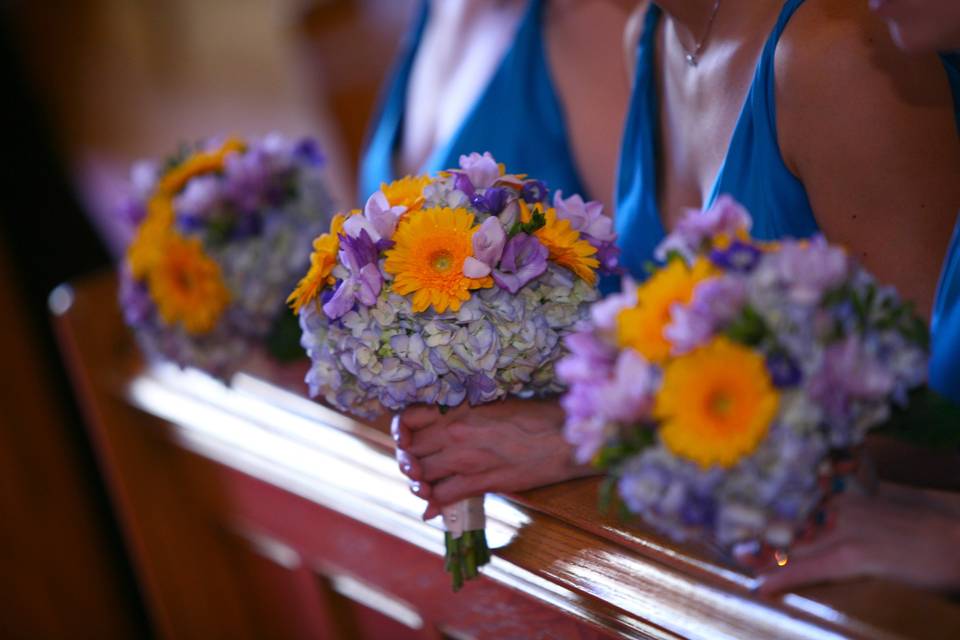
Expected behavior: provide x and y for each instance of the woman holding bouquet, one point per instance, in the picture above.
(807, 113)
(901, 533)
(537, 83)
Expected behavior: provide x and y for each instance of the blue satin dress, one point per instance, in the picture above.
(753, 170)
(518, 117)
(945, 325)
(754, 173)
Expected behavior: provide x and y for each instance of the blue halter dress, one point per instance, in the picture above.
(755, 174)
(518, 117)
(945, 325)
(753, 170)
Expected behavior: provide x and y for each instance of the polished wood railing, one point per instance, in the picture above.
(253, 512)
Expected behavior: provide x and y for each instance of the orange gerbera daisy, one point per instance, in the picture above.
(406, 192)
(566, 246)
(187, 285)
(427, 259)
(322, 261)
(716, 403)
(148, 243)
(641, 327)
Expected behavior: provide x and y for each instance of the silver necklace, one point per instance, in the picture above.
(693, 57)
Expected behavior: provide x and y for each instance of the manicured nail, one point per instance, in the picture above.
(416, 488)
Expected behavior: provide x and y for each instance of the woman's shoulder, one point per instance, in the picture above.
(841, 42)
(837, 69)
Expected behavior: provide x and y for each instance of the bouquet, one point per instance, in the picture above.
(221, 231)
(445, 289)
(725, 394)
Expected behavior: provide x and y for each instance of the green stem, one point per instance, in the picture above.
(465, 555)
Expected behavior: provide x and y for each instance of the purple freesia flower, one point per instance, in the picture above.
(143, 178)
(715, 302)
(461, 182)
(604, 313)
(739, 256)
(726, 216)
(534, 191)
(783, 370)
(309, 151)
(849, 372)
(481, 170)
(358, 252)
(488, 244)
(379, 219)
(247, 176)
(491, 201)
(200, 197)
(627, 397)
(808, 269)
(524, 258)
(590, 359)
(585, 217)
(362, 287)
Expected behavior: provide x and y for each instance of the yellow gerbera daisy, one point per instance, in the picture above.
(716, 403)
(198, 163)
(406, 192)
(427, 259)
(322, 261)
(187, 285)
(641, 327)
(566, 246)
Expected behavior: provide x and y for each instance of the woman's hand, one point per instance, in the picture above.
(505, 446)
(903, 534)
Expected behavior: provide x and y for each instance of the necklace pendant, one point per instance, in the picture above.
(691, 59)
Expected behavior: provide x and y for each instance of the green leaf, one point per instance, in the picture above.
(748, 328)
(283, 341)
(929, 419)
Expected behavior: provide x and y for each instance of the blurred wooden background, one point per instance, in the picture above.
(90, 86)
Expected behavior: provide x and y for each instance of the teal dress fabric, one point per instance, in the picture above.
(945, 326)
(753, 171)
(517, 118)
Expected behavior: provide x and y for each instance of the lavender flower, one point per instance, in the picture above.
(379, 219)
(481, 170)
(524, 258)
(715, 302)
(488, 244)
(725, 217)
(534, 191)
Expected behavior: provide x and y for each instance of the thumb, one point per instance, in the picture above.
(830, 565)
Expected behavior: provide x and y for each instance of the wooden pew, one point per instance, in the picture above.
(254, 512)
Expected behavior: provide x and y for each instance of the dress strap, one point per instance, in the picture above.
(765, 75)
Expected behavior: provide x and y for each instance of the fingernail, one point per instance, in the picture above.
(405, 468)
(416, 488)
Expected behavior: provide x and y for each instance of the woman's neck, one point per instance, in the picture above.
(695, 21)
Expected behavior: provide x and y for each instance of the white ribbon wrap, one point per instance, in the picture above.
(466, 515)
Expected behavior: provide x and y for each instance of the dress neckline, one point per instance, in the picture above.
(530, 17)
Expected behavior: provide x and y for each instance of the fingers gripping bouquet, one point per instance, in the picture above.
(717, 393)
(221, 232)
(450, 289)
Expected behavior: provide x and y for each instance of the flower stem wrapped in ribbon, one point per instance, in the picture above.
(450, 289)
(221, 231)
(719, 392)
